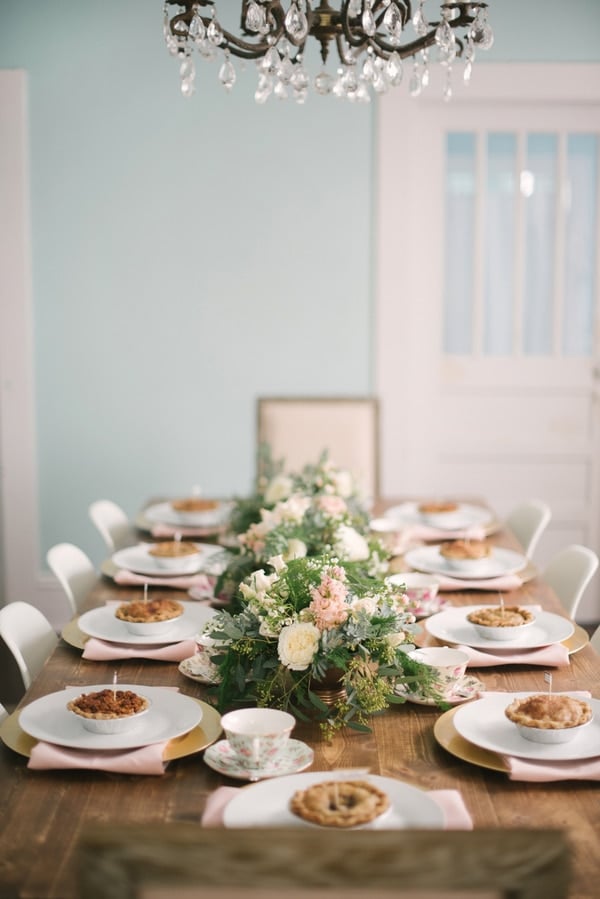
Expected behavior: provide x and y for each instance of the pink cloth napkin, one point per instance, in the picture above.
(182, 582)
(450, 801)
(102, 650)
(556, 656)
(505, 583)
(145, 760)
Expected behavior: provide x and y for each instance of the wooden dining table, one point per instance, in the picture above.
(43, 813)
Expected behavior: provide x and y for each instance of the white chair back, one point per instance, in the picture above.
(29, 636)
(569, 573)
(595, 639)
(74, 571)
(113, 524)
(298, 430)
(528, 521)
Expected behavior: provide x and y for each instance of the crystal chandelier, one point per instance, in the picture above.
(371, 39)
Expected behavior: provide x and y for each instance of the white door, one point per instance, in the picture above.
(488, 293)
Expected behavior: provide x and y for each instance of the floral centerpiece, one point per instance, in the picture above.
(312, 513)
(309, 617)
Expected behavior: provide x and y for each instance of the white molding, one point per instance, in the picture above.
(18, 468)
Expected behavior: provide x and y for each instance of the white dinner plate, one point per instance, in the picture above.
(484, 723)
(451, 626)
(500, 562)
(466, 516)
(103, 624)
(138, 559)
(266, 804)
(164, 513)
(170, 715)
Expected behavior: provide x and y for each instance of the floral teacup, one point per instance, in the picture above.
(448, 665)
(257, 736)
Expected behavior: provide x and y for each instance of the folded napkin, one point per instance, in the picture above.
(169, 530)
(102, 650)
(181, 582)
(144, 760)
(556, 656)
(450, 801)
(505, 583)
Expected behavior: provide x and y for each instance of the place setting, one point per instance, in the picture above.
(162, 629)
(472, 565)
(500, 634)
(192, 516)
(434, 520)
(449, 684)
(177, 563)
(130, 728)
(534, 736)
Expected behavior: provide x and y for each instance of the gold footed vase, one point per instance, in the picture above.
(330, 689)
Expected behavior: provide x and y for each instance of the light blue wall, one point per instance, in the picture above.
(191, 255)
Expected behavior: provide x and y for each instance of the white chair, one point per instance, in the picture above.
(299, 429)
(3, 713)
(569, 573)
(113, 524)
(29, 636)
(528, 521)
(74, 571)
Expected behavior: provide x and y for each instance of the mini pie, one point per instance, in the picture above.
(433, 508)
(340, 803)
(497, 616)
(107, 704)
(142, 611)
(465, 549)
(194, 504)
(173, 549)
(549, 711)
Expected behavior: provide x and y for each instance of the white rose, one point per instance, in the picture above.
(296, 549)
(350, 545)
(367, 604)
(396, 639)
(279, 488)
(278, 563)
(261, 581)
(343, 482)
(297, 645)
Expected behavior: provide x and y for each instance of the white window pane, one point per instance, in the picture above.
(499, 248)
(581, 241)
(538, 186)
(460, 230)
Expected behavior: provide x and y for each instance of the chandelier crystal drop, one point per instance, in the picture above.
(361, 43)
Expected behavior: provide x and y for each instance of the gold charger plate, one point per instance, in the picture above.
(72, 634)
(197, 739)
(449, 739)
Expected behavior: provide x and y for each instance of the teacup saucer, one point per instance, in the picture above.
(296, 756)
(200, 668)
(467, 687)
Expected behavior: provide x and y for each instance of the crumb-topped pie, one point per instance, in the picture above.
(145, 611)
(340, 803)
(106, 704)
(549, 711)
(173, 549)
(437, 508)
(500, 616)
(465, 550)
(194, 504)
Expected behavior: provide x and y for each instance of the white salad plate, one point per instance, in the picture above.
(500, 562)
(465, 689)
(295, 756)
(452, 626)
(484, 723)
(465, 516)
(164, 513)
(170, 715)
(103, 624)
(266, 804)
(138, 559)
